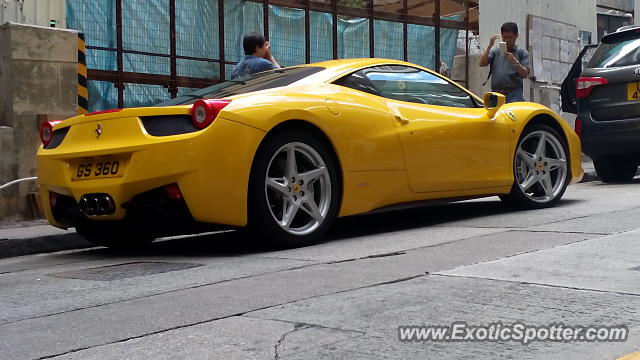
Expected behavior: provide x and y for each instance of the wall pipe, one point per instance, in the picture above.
(14, 182)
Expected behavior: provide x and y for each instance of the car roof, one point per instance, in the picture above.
(337, 67)
(623, 32)
(628, 27)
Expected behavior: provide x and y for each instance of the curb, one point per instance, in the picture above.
(42, 244)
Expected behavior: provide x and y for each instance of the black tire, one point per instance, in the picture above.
(616, 170)
(114, 235)
(263, 224)
(517, 198)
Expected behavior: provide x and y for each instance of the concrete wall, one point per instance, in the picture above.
(618, 4)
(38, 73)
(34, 12)
(493, 13)
(8, 171)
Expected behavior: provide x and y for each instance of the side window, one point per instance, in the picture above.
(357, 81)
(619, 53)
(405, 83)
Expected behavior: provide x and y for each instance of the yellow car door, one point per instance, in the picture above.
(449, 142)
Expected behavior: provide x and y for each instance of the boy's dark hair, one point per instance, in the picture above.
(509, 27)
(251, 42)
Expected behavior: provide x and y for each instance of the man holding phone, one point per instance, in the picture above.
(509, 64)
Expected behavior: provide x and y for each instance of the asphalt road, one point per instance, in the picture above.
(215, 297)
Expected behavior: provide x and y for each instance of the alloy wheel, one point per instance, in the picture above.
(298, 188)
(541, 166)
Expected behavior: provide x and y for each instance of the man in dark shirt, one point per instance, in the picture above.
(257, 58)
(508, 68)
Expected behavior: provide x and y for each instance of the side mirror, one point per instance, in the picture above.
(493, 101)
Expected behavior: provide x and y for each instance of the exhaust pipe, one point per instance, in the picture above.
(105, 204)
(97, 204)
(82, 204)
(93, 205)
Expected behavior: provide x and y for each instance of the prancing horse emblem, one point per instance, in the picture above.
(99, 130)
(636, 72)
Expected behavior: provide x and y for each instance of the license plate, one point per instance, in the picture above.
(98, 168)
(633, 91)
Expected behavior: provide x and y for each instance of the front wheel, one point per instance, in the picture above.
(541, 169)
(294, 190)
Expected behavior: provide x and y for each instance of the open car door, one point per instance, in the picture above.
(568, 91)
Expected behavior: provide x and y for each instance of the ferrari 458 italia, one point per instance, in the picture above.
(286, 152)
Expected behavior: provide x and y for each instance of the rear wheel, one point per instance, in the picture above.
(294, 190)
(616, 170)
(118, 235)
(541, 169)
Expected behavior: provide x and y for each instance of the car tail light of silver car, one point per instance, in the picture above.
(204, 111)
(46, 131)
(585, 85)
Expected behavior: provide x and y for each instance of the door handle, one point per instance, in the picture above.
(401, 120)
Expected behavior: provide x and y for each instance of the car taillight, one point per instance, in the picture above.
(204, 111)
(46, 131)
(585, 85)
(102, 112)
(578, 127)
(173, 192)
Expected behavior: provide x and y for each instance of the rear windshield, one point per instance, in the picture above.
(256, 82)
(623, 52)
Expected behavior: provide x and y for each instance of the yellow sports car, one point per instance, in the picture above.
(287, 151)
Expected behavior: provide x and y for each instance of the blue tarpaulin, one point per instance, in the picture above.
(146, 29)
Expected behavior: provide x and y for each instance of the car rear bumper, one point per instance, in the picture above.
(211, 168)
(610, 138)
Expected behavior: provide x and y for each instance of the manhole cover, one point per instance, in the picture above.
(124, 271)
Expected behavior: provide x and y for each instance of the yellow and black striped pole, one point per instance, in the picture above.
(83, 92)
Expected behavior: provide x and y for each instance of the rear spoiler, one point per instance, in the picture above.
(624, 33)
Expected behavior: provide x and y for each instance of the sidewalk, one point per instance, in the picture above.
(33, 237)
(37, 237)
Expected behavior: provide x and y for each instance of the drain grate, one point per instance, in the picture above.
(124, 271)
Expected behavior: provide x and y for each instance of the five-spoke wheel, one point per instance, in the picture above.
(541, 168)
(294, 189)
(298, 188)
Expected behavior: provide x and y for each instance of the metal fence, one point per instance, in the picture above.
(167, 47)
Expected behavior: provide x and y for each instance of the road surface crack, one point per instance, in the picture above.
(531, 283)
(374, 256)
(296, 327)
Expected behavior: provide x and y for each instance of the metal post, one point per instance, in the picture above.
(265, 15)
(307, 31)
(334, 12)
(466, 54)
(372, 42)
(405, 31)
(221, 38)
(173, 88)
(119, 48)
(437, 37)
